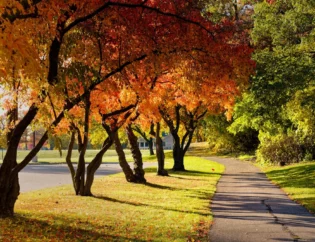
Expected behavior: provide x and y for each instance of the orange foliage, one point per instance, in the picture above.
(151, 52)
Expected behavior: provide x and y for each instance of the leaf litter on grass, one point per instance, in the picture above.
(174, 208)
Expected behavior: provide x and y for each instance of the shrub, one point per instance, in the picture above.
(280, 149)
(222, 141)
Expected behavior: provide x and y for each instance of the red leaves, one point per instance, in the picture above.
(271, 1)
(188, 60)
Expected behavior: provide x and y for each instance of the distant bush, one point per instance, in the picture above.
(308, 147)
(222, 141)
(280, 149)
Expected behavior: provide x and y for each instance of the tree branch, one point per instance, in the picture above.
(168, 14)
(117, 112)
(18, 15)
(177, 108)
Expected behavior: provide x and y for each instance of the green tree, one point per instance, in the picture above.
(283, 36)
(215, 128)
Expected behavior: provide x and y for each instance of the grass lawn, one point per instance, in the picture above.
(53, 156)
(174, 208)
(297, 180)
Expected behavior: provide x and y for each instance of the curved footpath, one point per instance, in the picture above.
(247, 207)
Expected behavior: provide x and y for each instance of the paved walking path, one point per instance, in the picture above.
(247, 207)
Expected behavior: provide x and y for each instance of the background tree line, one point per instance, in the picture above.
(277, 109)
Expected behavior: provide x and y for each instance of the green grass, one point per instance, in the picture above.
(200, 149)
(174, 208)
(53, 156)
(297, 180)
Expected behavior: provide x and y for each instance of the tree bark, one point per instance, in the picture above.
(130, 177)
(150, 142)
(9, 181)
(80, 173)
(180, 149)
(94, 165)
(137, 156)
(9, 186)
(178, 154)
(160, 152)
(68, 157)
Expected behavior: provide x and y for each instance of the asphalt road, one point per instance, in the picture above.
(247, 207)
(35, 177)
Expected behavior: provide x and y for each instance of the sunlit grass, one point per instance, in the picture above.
(174, 208)
(297, 180)
(200, 149)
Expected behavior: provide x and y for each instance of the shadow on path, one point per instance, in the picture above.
(248, 207)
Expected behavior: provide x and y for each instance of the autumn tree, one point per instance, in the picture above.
(83, 178)
(41, 39)
(120, 112)
(196, 89)
(192, 89)
(137, 174)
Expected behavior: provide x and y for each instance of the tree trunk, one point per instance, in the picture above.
(94, 165)
(68, 158)
(160, 152)
(151, 139)
(178, 154)
(137, 156)
(151, 146)
(9, 193)
(80, 174)
(9, 186)
(9, 181)
(130, 177)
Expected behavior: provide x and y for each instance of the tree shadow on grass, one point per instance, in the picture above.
(149, 205)
(160, 186)
(185, 178)
(300, 176)
(204, 195)
(186, 173)
(110, 199)
(55, 228)
(194, 173)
